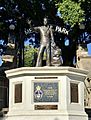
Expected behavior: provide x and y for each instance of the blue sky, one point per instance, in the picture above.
(28, 41)
(89, 48)
(1, 43)
(1, 61)
(88, 38)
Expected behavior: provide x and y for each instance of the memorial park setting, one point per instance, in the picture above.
(45, 60)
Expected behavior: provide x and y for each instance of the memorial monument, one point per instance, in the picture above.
(46, 93)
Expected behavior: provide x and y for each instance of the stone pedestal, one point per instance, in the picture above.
(46, 93)
(84, 62)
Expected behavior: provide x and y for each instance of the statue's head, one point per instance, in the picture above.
(45, 21)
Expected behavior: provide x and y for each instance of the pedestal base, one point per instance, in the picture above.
(46, 93)
(47, 115)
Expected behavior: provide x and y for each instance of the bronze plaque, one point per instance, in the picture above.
(18, 93)
(74, 92)
(46, 107)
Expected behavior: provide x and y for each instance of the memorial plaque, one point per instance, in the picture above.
(74, 92)
(46, 107)
(45, 92)
(18, 93)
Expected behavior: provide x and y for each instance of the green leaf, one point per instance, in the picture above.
(71, 12)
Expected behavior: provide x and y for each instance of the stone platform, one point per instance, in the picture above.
(46, 93)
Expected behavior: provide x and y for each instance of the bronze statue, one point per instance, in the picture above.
(47, 44)
(46, 36)
(56, 56)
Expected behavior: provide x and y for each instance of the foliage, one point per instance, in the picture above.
(30, 55)
(71, 12)
(17, 12)
(86, 6)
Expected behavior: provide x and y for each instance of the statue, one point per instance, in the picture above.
(46, 36)
(56, 56)
(47, 45)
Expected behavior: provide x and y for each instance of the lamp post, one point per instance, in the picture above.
(12, 27)
(11, 37)
(20, 30)
(81, 26)
(12, 44)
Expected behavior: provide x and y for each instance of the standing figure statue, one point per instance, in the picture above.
(46, 36)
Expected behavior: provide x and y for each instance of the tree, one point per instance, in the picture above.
(72, 15)
(75, 12)
(71, 12)
(86, 6)
(17, 12)
(30, 56)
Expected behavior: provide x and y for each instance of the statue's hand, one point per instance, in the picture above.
(28, 31)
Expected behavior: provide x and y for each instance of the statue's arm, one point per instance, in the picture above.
(36, 29)
(31, 27)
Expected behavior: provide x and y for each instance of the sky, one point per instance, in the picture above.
(1, 43)
(1, 61)
(89, 48)
(88, 38)
(28, 41)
